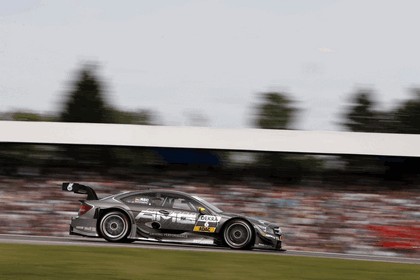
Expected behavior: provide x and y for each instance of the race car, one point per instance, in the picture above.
(168, 216)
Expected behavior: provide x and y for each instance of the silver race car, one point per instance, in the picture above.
(168, 216)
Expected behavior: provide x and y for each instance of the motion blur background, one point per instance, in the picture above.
(313, 65)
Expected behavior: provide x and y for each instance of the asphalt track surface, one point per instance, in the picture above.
(95, 242)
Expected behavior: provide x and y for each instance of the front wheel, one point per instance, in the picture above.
(238, 234)
(114, 227)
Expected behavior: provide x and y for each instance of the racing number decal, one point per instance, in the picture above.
(206, 223)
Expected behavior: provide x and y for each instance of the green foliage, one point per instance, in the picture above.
(141, 117)
(362, 115)
(23, 115)
(407, 115)
(15, 156)
(85, 101)
(275, 111)
(291, 168)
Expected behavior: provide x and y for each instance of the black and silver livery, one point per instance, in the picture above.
(168, 216)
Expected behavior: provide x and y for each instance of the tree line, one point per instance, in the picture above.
(86, 101)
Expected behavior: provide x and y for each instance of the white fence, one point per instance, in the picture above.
(318, 142)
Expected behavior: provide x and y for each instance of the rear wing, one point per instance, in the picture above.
(80, 189)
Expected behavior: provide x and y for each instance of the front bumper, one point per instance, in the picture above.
(268, 241)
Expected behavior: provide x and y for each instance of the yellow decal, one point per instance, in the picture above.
(204, 229)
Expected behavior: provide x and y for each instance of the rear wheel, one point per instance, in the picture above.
(114, 226)
(238, 234)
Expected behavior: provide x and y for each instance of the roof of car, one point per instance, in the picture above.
(155, 191)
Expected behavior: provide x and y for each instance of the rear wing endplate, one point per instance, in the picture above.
(80, 189)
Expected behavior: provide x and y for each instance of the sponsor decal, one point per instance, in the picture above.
(86, 228)
(207, 223)
(141, 200)
(204, 229)
(209, 218)
(185, 218)
(169, 235)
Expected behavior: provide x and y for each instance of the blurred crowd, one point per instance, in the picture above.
(350, 220)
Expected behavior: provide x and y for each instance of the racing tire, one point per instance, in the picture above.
(238, 234)
(114, 227)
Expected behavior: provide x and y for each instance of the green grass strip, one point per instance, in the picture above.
(75, 262)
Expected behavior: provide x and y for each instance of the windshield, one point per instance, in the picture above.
(207, 205)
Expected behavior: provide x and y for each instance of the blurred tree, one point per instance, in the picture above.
(133, 158)
(362, 115)
(16, 157)
(275, 111)
(407, 115)
(406, 120)
(141, 117)
(195, 118)
(22, 115)
(85, 101)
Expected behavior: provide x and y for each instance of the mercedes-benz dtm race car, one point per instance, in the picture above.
(168, 216)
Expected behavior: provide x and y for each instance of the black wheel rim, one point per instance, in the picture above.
(238, 235)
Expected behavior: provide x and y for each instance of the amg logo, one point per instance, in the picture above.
(174, 217)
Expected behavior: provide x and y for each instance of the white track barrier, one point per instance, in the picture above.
(317, 142)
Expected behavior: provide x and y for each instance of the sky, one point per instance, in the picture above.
(208, 62)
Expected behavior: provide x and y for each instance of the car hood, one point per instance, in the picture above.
(254, 220)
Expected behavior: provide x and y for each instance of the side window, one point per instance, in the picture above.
(179, 203)
(144, 199)
(182, 204)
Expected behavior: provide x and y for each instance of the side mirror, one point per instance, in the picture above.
(202, 210)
